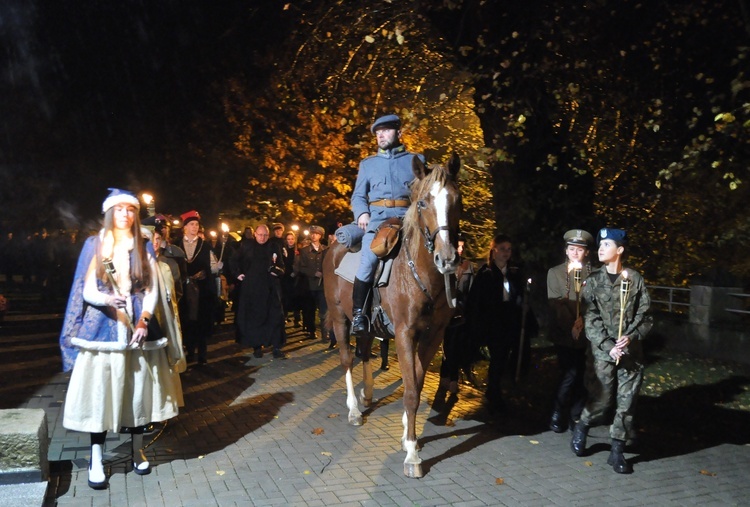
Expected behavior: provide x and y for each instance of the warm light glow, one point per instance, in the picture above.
(625, 274)
(147, 198)
(224, 228)
(176, 222)
(295, 227)
(212, 234)
(574, 265)
(306, 232)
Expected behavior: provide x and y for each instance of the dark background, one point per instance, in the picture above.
(103, 94)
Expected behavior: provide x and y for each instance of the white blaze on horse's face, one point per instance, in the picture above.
(445, 263)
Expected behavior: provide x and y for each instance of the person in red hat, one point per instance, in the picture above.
(199, 290)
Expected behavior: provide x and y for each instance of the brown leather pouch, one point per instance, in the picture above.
(386, 237)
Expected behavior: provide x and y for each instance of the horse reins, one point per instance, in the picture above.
(413, 267)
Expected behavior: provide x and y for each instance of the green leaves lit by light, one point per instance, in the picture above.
(734, 182)
(725, 117)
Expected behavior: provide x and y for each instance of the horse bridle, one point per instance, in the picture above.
(429, 237)
(429, 243)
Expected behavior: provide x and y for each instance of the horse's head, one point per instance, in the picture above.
(435, 212)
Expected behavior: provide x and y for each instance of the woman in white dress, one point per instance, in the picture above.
(122, 363)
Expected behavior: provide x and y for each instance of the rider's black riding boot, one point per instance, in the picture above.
(359, 313)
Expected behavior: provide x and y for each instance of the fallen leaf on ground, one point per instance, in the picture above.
(706, 472)
(318, 431)
(535, 442)
(499, 481)
(220, 472)
(588, 463)
(332, 416)
(325, 453)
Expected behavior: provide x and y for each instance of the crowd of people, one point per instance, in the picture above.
(144, 301)
(597, 320)
(41, 260)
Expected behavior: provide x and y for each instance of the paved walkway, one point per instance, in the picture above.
(274, 432)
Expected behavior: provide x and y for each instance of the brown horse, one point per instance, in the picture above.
(416, 298)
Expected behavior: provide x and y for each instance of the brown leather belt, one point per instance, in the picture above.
(391, 203)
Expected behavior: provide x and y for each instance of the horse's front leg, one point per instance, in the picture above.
(413, 374)
(412, 463)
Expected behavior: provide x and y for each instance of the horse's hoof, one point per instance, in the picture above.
(413, 470)
(355, 420)
(366, 402)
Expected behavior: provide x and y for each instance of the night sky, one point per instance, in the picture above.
(101, 94)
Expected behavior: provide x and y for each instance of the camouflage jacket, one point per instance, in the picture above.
(602, 315)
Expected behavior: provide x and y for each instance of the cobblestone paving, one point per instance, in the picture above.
(274, 432)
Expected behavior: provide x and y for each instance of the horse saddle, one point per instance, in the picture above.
(347, 269)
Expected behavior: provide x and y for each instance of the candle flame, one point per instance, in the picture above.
(574, 265)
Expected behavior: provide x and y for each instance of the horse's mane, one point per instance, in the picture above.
(419, 188)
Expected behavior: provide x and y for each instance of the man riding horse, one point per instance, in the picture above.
(381, 192)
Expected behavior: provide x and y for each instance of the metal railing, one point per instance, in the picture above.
(736, 310)
(677, 299)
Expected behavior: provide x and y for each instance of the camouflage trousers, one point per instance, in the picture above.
(618, 384)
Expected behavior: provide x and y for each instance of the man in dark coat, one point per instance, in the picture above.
(495, 311)
(310, 263)
(199, 289)
(259, 266)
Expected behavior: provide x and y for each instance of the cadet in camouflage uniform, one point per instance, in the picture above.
(618, 360)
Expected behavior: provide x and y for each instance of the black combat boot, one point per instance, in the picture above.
(556, 423)
(361, 291)
(578, 442)
(616, 458)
